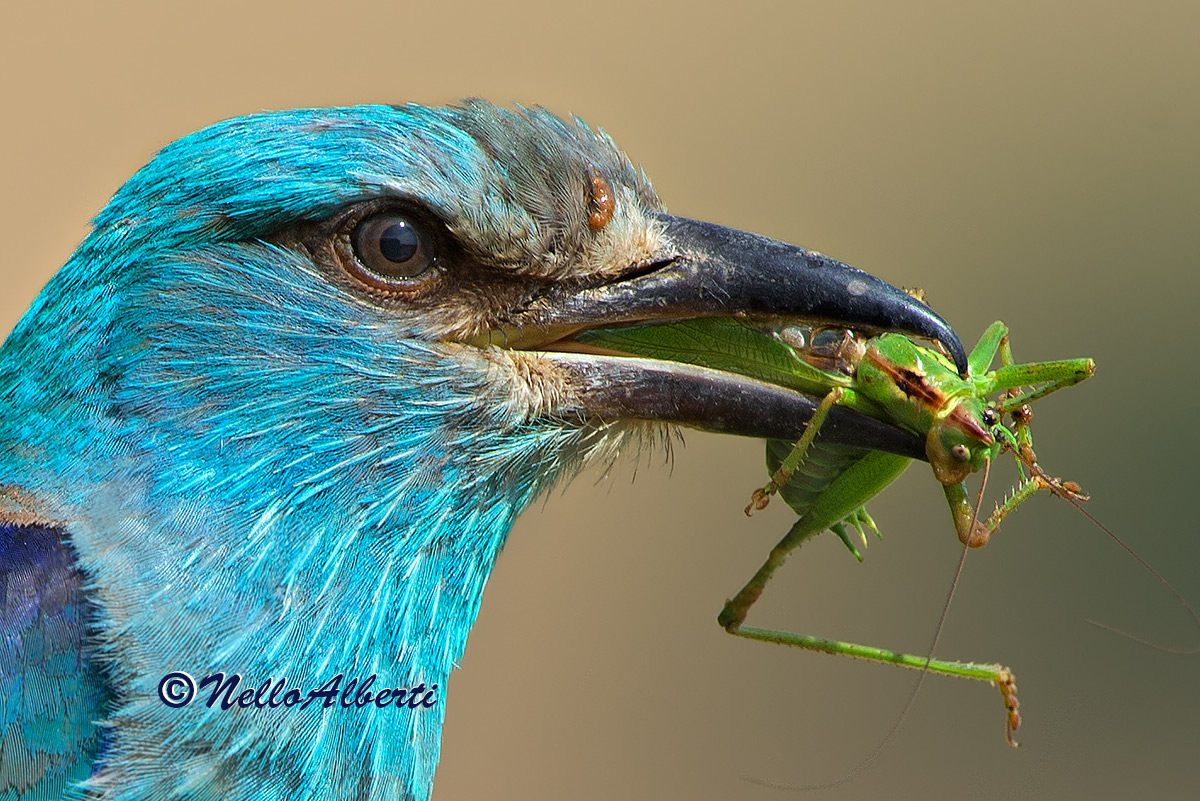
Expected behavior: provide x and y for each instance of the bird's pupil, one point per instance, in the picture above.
(398, 243)
(391, 251)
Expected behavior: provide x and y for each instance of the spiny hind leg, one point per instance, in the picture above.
(733, 615)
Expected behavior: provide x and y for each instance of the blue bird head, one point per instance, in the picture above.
(286, 399)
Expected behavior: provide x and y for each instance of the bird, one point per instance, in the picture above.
(275, 416)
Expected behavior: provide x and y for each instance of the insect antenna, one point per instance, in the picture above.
(1070, 493)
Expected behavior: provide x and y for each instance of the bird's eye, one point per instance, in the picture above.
(392, 250)
(960, 453)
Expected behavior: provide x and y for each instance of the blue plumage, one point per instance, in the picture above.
(47, 714)
(223, 453)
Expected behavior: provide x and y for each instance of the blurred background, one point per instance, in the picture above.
(1031, 162)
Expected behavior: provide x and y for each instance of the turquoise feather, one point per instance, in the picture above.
(260, 472)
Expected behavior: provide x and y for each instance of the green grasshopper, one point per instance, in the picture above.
(893, 379)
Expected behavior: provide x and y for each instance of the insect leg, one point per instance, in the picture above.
(762, 496)
(734, 614)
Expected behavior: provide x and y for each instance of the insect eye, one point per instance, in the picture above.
(391, 250)
(960, 453)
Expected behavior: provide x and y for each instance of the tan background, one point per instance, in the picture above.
(1036, 162)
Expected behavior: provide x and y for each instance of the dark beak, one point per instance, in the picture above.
(712, 271)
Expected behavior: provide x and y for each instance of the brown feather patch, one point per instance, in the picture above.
(602, 204)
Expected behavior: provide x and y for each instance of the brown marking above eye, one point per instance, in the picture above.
(602, 202)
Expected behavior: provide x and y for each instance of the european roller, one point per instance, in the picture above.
(277, 413)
